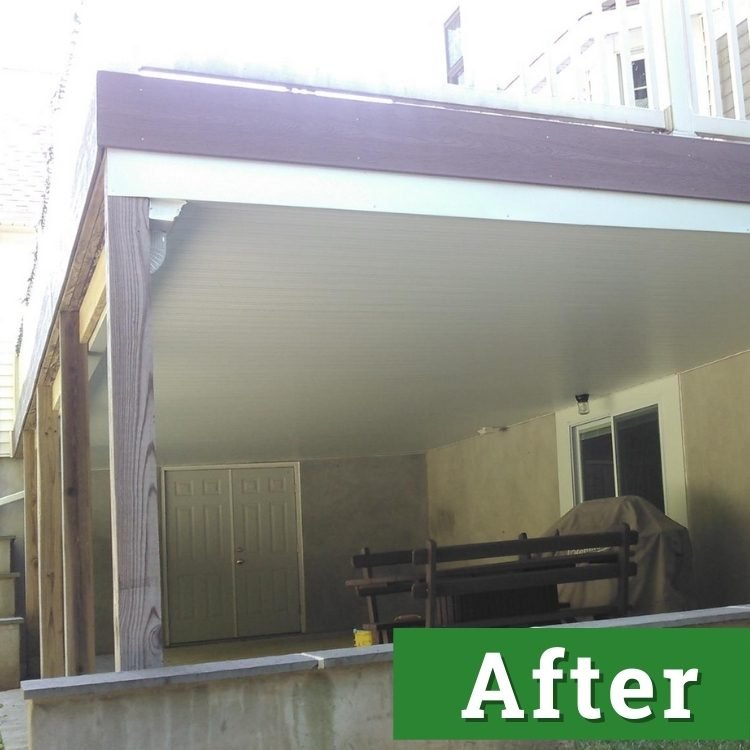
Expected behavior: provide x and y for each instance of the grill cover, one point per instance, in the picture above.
(663, 555)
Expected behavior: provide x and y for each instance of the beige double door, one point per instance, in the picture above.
(232, 565)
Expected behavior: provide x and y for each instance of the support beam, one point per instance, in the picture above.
(49, 531)
(56, 390)
(78, 558)
(94, 301)
(132, 459)
(31, 554)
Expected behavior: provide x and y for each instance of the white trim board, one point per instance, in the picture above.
(199, 178)
(8, 499)
(665, 393)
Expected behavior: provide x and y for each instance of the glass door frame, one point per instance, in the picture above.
(664, 393)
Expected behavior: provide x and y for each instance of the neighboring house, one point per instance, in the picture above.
(23, 158)
(278, 315)
(23, 169)
(725, 54)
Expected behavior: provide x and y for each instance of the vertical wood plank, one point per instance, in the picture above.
(31, 554)
(49, 534)
(78, 558)
(133, 476)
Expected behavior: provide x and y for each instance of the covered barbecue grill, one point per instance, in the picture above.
(663, 555)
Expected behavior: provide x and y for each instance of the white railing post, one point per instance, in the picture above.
(650, 27)
(626, 60)
(712, 53)
(603, 94)
(679, 69)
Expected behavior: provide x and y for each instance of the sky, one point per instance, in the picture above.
(34, 34)
(364, 38)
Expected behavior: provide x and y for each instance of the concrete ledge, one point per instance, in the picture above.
(352, 657)
(716, 616)
(189, 674)
(196, 674)
(337, 699)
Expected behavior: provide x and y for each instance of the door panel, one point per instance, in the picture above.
(266, 567)
(199, 555)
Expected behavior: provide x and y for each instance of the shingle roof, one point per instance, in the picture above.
(24, 141)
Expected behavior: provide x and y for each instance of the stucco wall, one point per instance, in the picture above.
(347, 504)
(716, 426)
(494, 486)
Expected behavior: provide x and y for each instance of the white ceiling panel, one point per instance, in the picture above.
(285, 332)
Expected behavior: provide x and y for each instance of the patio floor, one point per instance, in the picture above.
(251, 647)
(246, 648)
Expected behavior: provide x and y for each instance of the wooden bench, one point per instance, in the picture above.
(477, 585)
(400, 578)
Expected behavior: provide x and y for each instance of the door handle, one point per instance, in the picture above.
(239, 562)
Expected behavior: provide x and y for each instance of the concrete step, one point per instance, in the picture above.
(10, 652)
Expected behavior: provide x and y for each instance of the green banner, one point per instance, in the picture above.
(572, 683)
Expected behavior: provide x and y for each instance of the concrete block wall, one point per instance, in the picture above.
(337, 700)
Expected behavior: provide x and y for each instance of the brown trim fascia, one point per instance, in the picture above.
(208, 119)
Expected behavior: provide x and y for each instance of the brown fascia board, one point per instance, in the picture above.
(206, 119)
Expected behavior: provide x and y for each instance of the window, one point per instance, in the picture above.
(640, 90)
(629, 444)
(454, 56)
(639, 83)
(620, 455)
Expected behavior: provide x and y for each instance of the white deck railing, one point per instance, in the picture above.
(676, 65)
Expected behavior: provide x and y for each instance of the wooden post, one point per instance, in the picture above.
(132, 460)
(78, 558)
(49, 531)
(31, 554)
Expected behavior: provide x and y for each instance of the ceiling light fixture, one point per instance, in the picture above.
(582, 399)
(489, 430)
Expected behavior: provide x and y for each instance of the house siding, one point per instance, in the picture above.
(494, 486)
(347, 504)
(716, 426)
(725, 74)
(7, 413)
